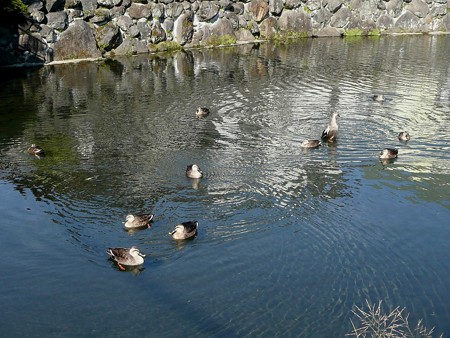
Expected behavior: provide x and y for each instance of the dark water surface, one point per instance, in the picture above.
(289, 240)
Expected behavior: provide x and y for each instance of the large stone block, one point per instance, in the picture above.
(341, 18)
(294, 21)
(138, 11)
(258, 9)
(57, 20)
(408, 22)
(207, 10)
(76, 42)
(108, 36)
(276, 7)
(418, 8)
(184, 28)
(268, 28)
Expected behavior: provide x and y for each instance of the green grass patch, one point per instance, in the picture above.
(222, 40)
(166, 46)
(353, 32)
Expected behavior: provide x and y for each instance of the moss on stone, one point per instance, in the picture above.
(285, 36)
(353, 32)
(166, 46)
(307, 9)
(374, 32)
(222, 40)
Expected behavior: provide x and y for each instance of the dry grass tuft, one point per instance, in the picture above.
(375, 323)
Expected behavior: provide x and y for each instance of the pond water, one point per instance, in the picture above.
(289, 240)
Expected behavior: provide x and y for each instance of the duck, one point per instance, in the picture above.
(185, 230)
(330, 133)
(404, 136)
(126, 257)
(202, 111)
(36, 150)
(194, 171)
(378, 97)
(138, 221)
(311, 144)
(388, 154)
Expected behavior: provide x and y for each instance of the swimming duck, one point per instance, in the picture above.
(185, 230)
(378, 97)
(138, 221)
(310, 144)
(36, 150)
(126, 256)
(330, 133)
(194, 171)
(404, 136)
(201, 111)
(388, 154)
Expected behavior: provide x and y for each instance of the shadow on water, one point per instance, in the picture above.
(274, 218)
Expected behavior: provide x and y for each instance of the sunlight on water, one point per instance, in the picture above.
(289, 238)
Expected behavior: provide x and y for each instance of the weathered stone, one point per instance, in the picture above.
(184, 28)
(54, 5)
(322, 15)
(222, 27)
(106, 3)
(157, 11)
(334, 5)
(157, 33)
(258, 9)
(418, 8)
(133, 31)
(174, 10)
(292, 4)
(237, 8)
(438, 10)
(294, 21)
(125, 22)
(385, 22)
(365, 25)
(38, 16)
(101, 16)
(138, 11)
(394, 8)
(168, 25)
(34, 6)
(85, 45)
(244, 35)
(328, 31)
(381, 5)
(207, 10)
(89, 5)
(144, 28)
(276, 7)
(407, 22)
(234, 19)
(117, 12)
(341, 18)
(131, 46)
(48, 33)
(225, 4)
(446, 22)
(57, 20)
(253, 27)
(166, 2)
(108, 36)
(314, 5)
(268, 28)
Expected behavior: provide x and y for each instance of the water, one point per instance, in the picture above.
(289, 240)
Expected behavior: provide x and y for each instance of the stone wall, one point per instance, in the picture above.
(94, 28)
